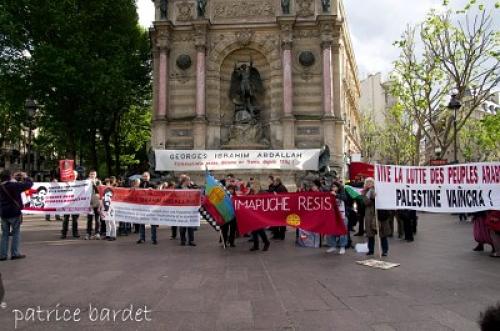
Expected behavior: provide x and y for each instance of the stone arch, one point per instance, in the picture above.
(215, 92)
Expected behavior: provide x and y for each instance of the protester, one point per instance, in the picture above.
(254, 190)
(276, 186)
(407, 217)
(3, 305)
(493, 223)
(229, 228)
(100, 226)
(145, 183)
(10, 212)
(340, 241)
(107, 213)
(489, 320)
(368, 194)
(47, 216)
(185, 183)
(74, 220)
(360, 209)
(481, 231)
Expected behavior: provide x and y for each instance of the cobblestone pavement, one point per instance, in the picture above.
(440, 285)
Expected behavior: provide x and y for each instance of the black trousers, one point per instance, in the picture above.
(173, 229)
(229, 232)
(190, 232)
(383, 242)
(74, 224)
(408, 228)
(259, 233)
(93, 217)
(361, 222)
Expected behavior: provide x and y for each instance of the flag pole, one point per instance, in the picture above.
(379, 241)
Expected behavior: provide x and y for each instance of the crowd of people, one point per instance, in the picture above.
(358, 212)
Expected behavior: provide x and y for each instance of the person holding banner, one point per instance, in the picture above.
(107, 213)
(254, 190)
(145, 183)
(94, 215)
(341, 241)
(229, 228)
(371, 221)
(10, 212)
(185, 184)
(74, 219)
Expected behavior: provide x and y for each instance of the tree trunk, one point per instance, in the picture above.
(108, 156)
(93, 149)
(117, 144)
(418, 138)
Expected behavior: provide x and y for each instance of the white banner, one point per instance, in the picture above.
(199, 160)
(58, 198)
(459, 188)
(169, 207)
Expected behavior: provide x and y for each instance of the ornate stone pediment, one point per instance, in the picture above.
(305, 8)
(184, 11)
(243, 8)
(244, 37)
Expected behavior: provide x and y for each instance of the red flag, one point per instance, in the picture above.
(66, 168)
(311, 211)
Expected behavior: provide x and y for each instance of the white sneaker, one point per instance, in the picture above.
(97, 236)
(87, 237)
(331, 249)
(342, 251)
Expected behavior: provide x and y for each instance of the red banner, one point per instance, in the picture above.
(361, 170)
(311, 211)
(144, 206)
(66, 168)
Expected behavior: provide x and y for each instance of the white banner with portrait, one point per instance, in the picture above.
(58, 198)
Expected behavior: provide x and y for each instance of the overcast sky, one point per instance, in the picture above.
(374, 26)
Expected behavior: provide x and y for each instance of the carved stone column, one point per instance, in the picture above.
(161, 33)
(288, 120)
(200, 123)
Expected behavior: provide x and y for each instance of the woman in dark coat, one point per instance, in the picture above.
(371, 222)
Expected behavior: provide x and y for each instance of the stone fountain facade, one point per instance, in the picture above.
(302, 51)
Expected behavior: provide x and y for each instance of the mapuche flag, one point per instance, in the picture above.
(217, 200)
(312, 211)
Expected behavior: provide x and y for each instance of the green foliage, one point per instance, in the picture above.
(480, 139)
(460, 50)
(87, 62)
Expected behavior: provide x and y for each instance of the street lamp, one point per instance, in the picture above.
(455, 106)
(31, 108)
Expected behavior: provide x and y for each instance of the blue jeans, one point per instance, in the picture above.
(10, 225)
(142, 232)
(335, 241)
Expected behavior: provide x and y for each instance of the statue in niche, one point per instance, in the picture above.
(246, 88)
(200, 7)
(326, 5)
(163, 9)
(285, 6)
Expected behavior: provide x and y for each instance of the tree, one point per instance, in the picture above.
(459, 51)
(397, 139)
(480, 139)
(87, 62)
(369, 134)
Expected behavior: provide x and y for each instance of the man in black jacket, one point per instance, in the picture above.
(10, 212)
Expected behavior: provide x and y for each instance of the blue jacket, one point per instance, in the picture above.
(8, 208)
